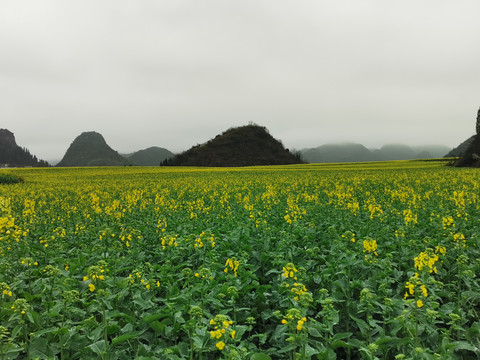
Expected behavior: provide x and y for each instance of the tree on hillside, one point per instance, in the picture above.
(471, 156)
(478, 122)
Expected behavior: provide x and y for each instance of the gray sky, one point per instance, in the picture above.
(175, 73)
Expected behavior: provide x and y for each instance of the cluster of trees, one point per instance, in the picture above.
(471, 156)
(13, 155)
(478, 122)
(17, 156)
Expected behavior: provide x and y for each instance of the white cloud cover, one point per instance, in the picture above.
(174, 73)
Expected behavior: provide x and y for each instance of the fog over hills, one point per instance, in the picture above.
(345, 152)
(352, 152)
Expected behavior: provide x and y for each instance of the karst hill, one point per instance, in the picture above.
(151, 156)
(471, 155)
(13, 155)
(460, 149)
(91, 149)
(248, 145)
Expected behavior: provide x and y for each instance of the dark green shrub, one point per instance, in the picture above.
(10, 179)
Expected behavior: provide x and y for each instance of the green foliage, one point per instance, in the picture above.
(351, 261)
(6, 178)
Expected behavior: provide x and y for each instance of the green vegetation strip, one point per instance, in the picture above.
(9, 179)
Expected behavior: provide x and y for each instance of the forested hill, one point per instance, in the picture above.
(91, 149)
(240, 146)
(471, 155)
(13, 155)
(460, 149)
(152, 156)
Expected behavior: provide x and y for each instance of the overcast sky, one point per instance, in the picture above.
(175, 73)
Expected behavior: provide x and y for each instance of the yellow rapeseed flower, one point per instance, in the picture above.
(232, 265)
(289, 271)
(427, 259)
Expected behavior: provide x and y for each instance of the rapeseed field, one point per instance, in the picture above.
(328, 261)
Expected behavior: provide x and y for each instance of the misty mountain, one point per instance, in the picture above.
(240, 146)
(351, 152)
(332, 153)
(151, 156)
(394, 152)
(436, 151)
(13, 155)
(91, 149)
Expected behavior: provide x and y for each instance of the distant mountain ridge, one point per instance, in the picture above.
(13, 155)
(353, 152)
(91, 149)
(345, 152)
(151, 156)
(436, 151)
(239, 146)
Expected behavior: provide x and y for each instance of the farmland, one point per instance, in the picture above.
(348, 261)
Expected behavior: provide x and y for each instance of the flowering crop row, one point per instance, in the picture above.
(355, 261)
